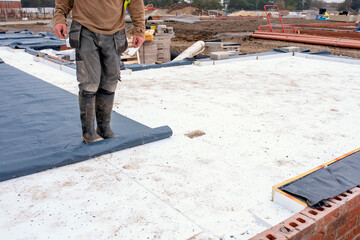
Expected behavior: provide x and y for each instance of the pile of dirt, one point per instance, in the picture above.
(185, 8)
(237, 31)
(205, 30)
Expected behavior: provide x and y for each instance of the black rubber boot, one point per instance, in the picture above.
(87, 116)
(104, 104)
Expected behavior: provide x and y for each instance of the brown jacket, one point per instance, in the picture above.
(102, 16)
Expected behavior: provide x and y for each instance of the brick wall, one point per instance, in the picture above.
(10, 4)
(340, 220)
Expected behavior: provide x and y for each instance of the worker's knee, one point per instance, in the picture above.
(88, 87)
(108, 85)
(105, 92)
(87, 94)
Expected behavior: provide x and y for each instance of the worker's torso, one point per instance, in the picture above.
(101, 16)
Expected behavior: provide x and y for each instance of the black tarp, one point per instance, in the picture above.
(140, 67)
(327, 182)
(40, 127)
(27, 39)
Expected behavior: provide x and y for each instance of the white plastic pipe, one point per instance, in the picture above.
(192, 51)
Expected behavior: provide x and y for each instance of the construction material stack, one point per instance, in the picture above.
(222, 47)
(158, 49)
(163, 38)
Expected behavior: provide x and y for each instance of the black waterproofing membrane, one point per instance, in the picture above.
(328, 181)
(140, 67)
(29, 40)
(40, 127)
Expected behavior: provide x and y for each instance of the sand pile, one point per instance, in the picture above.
(185, 8)
(248, 13)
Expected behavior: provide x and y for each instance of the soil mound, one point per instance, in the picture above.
(185, 8)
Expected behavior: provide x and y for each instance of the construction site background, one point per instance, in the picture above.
(26, 13)
(190, 23)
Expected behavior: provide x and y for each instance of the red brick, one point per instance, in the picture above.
(331, 236)
(342, 220)
(347, 227)
(322, 218)
(355, 212)
(319, 236)
(285, 229)
(269, 235)
(357, 230)
(306, 229)
(328, 223)
(357, 237)
(352, 200)
(297, 227)
(353, 233)
(350, 235)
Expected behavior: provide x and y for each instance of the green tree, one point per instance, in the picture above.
(239, 4)
(355, 4)
(345, 6)
(30, 3)
(280, 4)
(307, 4)
(160, 3)
(37, 3)
(318, 3)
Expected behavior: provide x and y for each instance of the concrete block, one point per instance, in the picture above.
(232, 49)
(219, 55)
(232, 53)
(291, 49)
(231, 44)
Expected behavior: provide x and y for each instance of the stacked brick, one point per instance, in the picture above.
(339, 220)
(157, 50)
(148, 52)
(163, 38)
(222, 46)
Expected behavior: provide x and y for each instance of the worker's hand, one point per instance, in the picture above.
(137, 41)
(60, 30)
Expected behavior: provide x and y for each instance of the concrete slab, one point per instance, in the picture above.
(261, 128)
(89, 200)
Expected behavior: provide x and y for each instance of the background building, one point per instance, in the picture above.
(10, 4)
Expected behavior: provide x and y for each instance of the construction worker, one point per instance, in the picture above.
(98, 35)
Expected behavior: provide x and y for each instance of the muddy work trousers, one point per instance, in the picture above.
(97, 58)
